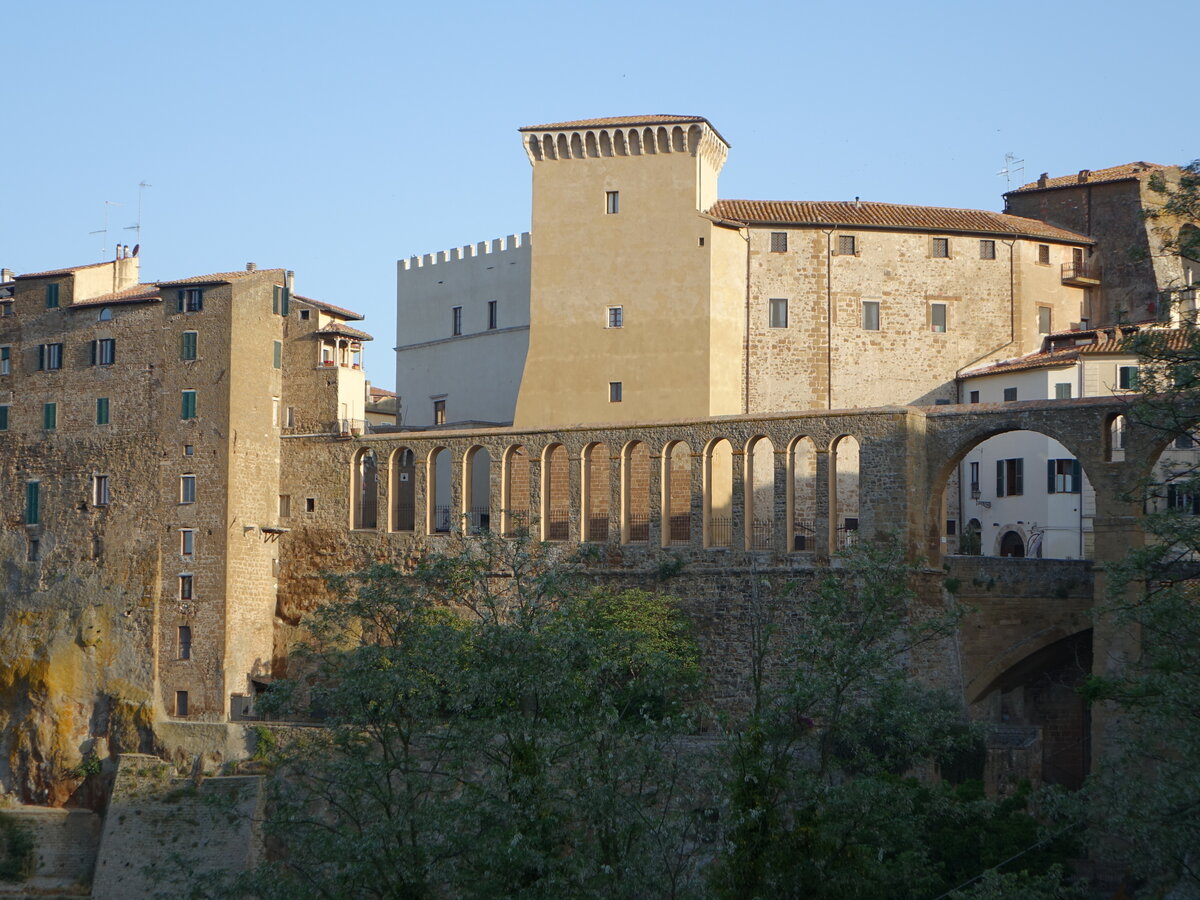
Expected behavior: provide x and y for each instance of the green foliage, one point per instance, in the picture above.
(18, 861)
(265, 743)
(89, 765)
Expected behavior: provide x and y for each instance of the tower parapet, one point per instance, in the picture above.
(467, 251)
(626, 136)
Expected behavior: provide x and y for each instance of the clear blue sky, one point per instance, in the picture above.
(335, 138)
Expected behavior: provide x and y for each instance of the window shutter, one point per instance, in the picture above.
(999, 478)
(1051, 466)
(285, 304)
(179, 300)
(275, 299)
(1076, 477)
(41, 357)
(1020, 479)
(112, 350)
(31, 502)
(92, 357)
(277, 354)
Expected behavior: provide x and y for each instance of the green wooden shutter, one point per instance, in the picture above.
(3, 418)
(49, 416)
(51, 296)
(179, 300)
(999, 478)
(32, 502)
(41, 357)
(1076, 477)
(1020, 479)
(92, 355)
(277, 361)
(1051, 466)
(187, 408)
(101, 410)
(285, 302)
(275, 299)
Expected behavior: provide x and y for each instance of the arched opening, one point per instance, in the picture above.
(404, 490)
(364, 491)
(677, 494)
(556, 494)
(606, 148)
(576, 147)
(1012, 544)
(635, 493)
(635, 143)
(677, 139)
(843, 505)
(535, 147)
(105, 315)
(590, 144)
(760, 493)
(718, 494)
(516, 491)
(1115, 439)
(438, 487)
(648, 141)
(971, 541)
(619, 144)
(564, 151)
(1172, 496)
(597, 490)
(1026, 483)
(477, 489)
(803, 497)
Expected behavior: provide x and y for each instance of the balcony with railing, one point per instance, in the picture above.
(1081, 273)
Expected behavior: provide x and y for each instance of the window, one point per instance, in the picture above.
(456, 320)
(974, 397)
(941, 248)
(1044, 254)
(50, 356)
(290, 421)
(1062, 390)
(35, 550)
(614, 392)
(5, 360)
(189, 449)
(847, 245)
(187, 542)
(49, 416)
(937, 317)
(189, 300)
(99, 490)
(779, 312)
(1127, 378)
(274, 412)
(281, 299)
(1185, 442)
(491, 314)
(52, 296)
(612, 202)
(33, 502)
(975, 481)
(104, 352)
(101, 410)
(277, 354)
(951, 527)
(1044, 319)
(185, 587)
(1010, 477)
(187, 404)
(779, 242)
(181, 703)
(1183, 500)
(304, 314)
(187, 347)
(285, 505)
(310, 504)
(6, 309)
(105, 315)
(3, 418)
(616, 317)
(185, 642)
(870, 315)
(1062, 476)
(987, 249)
(187, 488)
(1010, 394)
(439, 412)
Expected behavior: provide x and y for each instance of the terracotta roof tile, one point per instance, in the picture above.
(618, 121)
(216, 277)
(139, 293)
(1126, 172)
(345, 330)
(66, 271)
(1048, 360)
(857, 214)
(329, 307)
(378, 393)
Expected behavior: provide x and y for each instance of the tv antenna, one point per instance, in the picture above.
(104, 230)
(137, 227)
(1012, 166)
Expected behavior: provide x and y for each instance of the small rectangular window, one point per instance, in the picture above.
(187, 349)
(50, 356)
(49, 416)
(104, 352)
(3, 418)
(1010, 394)
(941, 248)
(181, 703)
(187, 488)
(614, 392)
(274, 412)
(99, 490)
(185, 587)
(973, 397)
(987, 249)
(290, 421)
(951, 527)
(310, 504)
(870, 315)
(847, 245)
(778, 312)
(187, 404)
(937, 317)
(189, 449)
(491, 314)
(5, 360)
(1010, 477)
(612, 202)
(779, 242)
(189, 300)
(101, 410)
(277, 354)
(185, 642)
(1062, 390)
(304, 314)
(1127, 378)
(439, 412)
(974, 481)
(52, 296)
(1063, 476)
(1044, 254)
(187, 542)
(33, 502)
(1044, 319)
(285, 505)
(456, 320)
(616, 317)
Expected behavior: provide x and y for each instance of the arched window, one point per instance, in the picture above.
(365, 490)
(844, 506)
(760, 493)
(677, 494)
(803, 500)
(516, 490)
(404, 487)
(105, 315)
(718, 494)
(635, 493)
(556, 502)
(437, 487)
(477, 488)
(596, 492)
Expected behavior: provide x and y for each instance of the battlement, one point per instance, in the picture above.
(617, 137)
(468, 251)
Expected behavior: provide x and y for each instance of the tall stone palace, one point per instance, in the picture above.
(736, 384)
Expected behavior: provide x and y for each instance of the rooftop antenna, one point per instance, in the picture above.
(137, 227)
(104, 230)
(1012, 166)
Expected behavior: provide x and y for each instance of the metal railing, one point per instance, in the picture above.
(1076, 270)
(762, 531)
(804, 534)
(478, 519)
(404, 517)
(720, 532)
(558, 525)
(679, 529)
(639, 528)
(597, 528)
(847, 536)
(441, 519)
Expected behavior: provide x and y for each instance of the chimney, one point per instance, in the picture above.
(251, 267)
(7, 274)
(289, 278)
(1043, 178)
(1084, 174)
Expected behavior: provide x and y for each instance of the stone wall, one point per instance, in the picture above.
(65, 841)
